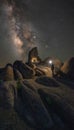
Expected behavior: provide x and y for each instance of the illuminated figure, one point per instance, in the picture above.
(52, 66)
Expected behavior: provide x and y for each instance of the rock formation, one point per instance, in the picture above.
(24, 69)
(68, 68)
(36, 100)
(9, 74)
(33, 56)
(17, 75)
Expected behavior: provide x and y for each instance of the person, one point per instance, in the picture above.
(52, 68)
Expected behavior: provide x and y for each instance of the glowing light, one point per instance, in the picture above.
(50, 62)
(34, 60)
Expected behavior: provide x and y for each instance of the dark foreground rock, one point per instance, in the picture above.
(39, 113)
(25, 70)
(10, 120)
(8, 94)
(17, 75)
(59, 107)
(16, 97)
(49, 82)
(27, 104)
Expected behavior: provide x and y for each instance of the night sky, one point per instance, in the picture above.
(47, 24)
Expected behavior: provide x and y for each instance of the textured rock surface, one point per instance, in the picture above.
(32, 105)
(33, 54)
(17, 75)
(9, 74)
(25, 70)
(31, 99)
(68, 68)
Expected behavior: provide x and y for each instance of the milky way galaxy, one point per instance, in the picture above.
(17, 32)
(47, 24)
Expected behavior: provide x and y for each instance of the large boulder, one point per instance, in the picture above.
(25, 70)
(33, 56)
(7, 94)
(68, 68)
(9, 74)
(17, 75)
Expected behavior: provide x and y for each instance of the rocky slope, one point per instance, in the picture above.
(40, 103)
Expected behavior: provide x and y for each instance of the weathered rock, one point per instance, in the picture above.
(68, 68)
(60, 107)
(17, 75)
(9, 74)
(49, 82)
(2, 73)
(39, 72)
(44, 70)
(7, 94)
(57, 64)
(24, 69)
(33, 56)
(37, 110)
